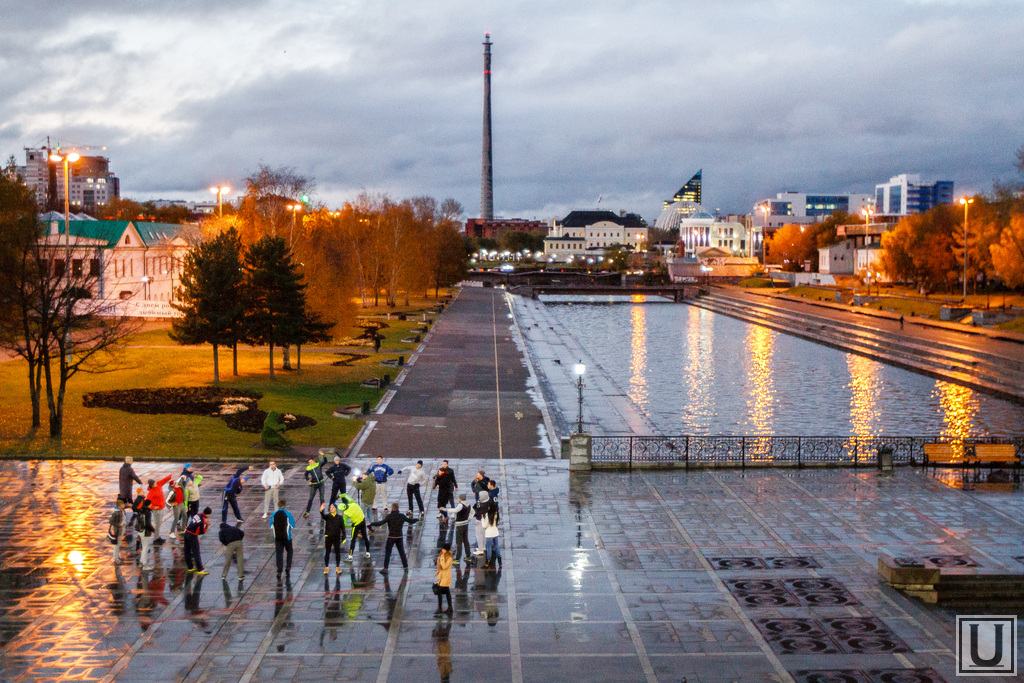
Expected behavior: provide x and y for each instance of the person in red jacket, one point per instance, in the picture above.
(157, 502)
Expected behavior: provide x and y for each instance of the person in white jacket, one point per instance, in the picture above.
(272, 479)
(417, 477)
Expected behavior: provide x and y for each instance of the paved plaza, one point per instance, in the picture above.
(653, 576)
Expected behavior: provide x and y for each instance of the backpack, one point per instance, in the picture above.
(140, 523)
(114, 527)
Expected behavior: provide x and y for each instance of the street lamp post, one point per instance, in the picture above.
(294, 208)
(764, 230)
(579, 369)
(67, 159)
(867, 218)
(219, 190)
(966, 202)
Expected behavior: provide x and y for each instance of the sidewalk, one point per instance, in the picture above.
(467, 393)
(646, 577)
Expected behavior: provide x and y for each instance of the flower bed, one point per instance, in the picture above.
(237, 407)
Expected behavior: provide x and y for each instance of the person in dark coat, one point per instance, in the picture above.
(334, 535)
(337, 473)
(394, 520)
(231, 538)
(444, 482)
(125, 476)
(231, 492)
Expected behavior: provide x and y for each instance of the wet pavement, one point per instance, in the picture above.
(655, 576)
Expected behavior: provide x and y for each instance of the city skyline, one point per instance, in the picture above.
(623, 103)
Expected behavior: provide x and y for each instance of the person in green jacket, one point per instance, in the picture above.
(367, 487)
(355, 518)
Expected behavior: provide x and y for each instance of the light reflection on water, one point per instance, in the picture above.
(695, 372)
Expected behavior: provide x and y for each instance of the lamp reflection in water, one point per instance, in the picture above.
(865, 386)
(699, 374)
(760, 345)
(959, 408)
(638, 356)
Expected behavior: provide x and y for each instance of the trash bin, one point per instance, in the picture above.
(885, 458)
(366, 407)
(401, 361)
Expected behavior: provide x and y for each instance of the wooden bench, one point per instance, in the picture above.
(971, 455)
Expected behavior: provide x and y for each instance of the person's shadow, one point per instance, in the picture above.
(443, 649)
(193, 594)
(333, 618)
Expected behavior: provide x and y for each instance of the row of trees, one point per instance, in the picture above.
(253, 295)
(928, 249)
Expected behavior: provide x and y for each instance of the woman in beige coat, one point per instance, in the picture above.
(443, 578)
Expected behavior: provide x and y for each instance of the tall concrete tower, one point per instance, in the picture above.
(487, 174)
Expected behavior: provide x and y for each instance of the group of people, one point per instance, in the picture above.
(181, 495)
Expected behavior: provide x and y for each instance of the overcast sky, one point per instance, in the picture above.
(624, 100)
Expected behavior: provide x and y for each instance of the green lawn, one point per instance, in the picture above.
(813, 293)
(1012, 325)
(755, 282)
(908, 307)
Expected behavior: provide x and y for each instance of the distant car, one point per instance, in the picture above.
(507, 268)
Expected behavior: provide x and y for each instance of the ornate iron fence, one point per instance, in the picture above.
(771, 451)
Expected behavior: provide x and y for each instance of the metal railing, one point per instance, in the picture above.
(772, 451)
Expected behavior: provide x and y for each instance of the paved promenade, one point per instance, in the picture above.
(658, 576)
(466, 394)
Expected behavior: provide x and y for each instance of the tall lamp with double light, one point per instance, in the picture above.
(220, 191)
(579, 369)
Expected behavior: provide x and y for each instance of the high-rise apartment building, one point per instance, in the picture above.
(690, 192)
(92, 184)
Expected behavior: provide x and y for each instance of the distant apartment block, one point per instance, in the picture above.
(907, 194)
(92, 184)
(803, 208)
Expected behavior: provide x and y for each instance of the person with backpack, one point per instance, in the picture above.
(231, 492)
(395, 520)
(271, 480)
(125, 476)
(314, 476)
(381, 472)
(462, 512)
(417, 478)
(157, 502)
(282, 524)
(334, 534)
(444, 482)
(337, 473)
(140, 498)
(115, 528)
(196, 527)
(355, 518)
(231, 538)
(144, 525)
(443, 578)
(491, 522)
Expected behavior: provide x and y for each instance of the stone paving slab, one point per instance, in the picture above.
(646, 576)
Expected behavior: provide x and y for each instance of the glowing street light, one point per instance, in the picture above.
(294, 208)
(966, 202)
(579, 369)
(220, 191)
(66, 159)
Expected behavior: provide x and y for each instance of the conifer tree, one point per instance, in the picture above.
(210, 296)
(275, 296)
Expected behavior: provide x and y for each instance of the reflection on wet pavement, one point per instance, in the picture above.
(706, 576)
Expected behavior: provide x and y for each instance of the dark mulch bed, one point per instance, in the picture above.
(173, 400)
(193, 401)
(349, 358)
(252, 421)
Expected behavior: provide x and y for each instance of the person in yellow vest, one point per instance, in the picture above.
(355, 518)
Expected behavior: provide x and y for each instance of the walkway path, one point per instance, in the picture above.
(466, 394)
(646, 577)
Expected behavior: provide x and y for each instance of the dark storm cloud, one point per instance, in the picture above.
(624, 100)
